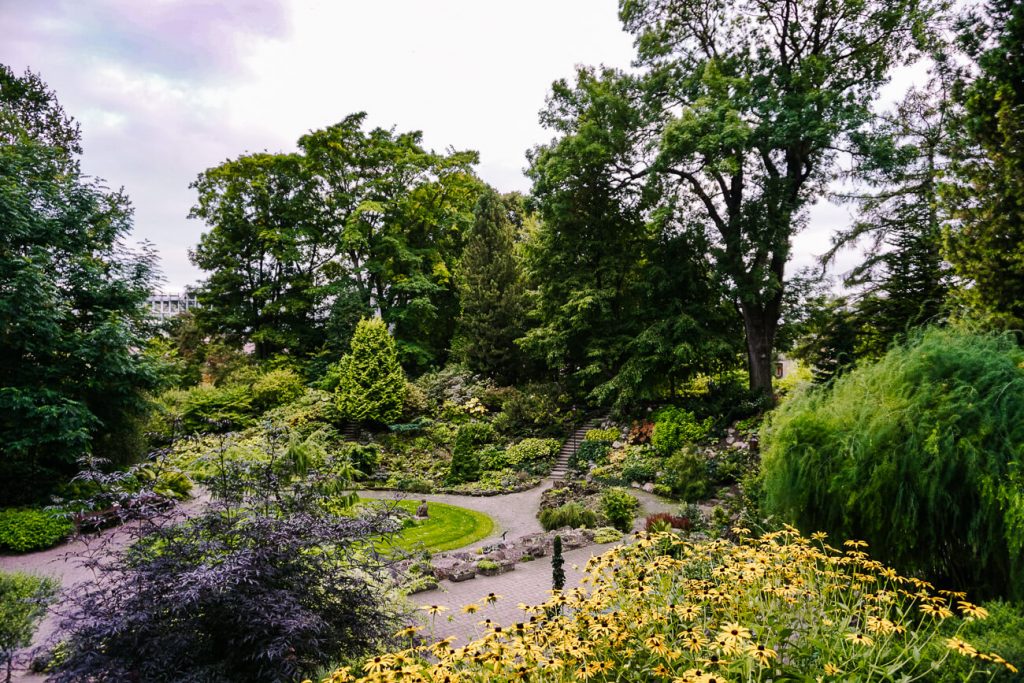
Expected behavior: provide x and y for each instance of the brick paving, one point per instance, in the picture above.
(529, 583)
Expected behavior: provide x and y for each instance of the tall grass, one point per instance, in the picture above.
(920, 454)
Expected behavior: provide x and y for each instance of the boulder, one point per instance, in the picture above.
(649, 487)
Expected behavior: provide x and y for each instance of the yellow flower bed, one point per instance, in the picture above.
(781, 607)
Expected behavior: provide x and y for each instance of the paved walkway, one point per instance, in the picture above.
(514, 514)
(529, 583)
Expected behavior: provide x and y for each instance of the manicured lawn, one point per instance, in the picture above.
(448, 527)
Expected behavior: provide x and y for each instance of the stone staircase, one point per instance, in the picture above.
(572, 444)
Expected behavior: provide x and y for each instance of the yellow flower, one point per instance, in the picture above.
(433, 610)
(661, 670)
(832, 670)
(935, 610)
(471, 608)
(491, 598)
(733, 633)
(762, 654)
(972, 611)
(859, 639)
(961, 647)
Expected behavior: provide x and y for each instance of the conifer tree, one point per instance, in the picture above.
(985, 242)
(372, 384)
(492, 292)
(557, 572)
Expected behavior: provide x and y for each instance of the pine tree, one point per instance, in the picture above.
(372, 384)
(492, 292)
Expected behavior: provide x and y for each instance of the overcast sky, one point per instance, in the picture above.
(164, 89)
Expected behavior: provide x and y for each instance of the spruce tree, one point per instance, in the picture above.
(372, 385)
(492, 292)
(985, 242)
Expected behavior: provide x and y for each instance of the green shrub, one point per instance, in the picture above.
(640, 466)
(569, 515)
(610, 434)
(1002, 632)
(532, 455)
(275, 388)
(537, 409)
(919, 454)
(371, 387)
(170, 483)
(492, 458)
(26, 529)
(465, 465)
(675, 427)
(363, 457)
(23, 602)
(590, 452)
(607, 534)
(686, 473)
(209, 409)
(619, 507)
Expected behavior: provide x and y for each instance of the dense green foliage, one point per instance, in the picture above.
(24, 530)
(619, 508)
(999, 632)
(985, 241)
(71, 302)
(361, 224)
(902, 283)
(674, 427)
(686, 475)
(23, 602)
(371, 385)
(625, 303)
(491, 291)
(465, 465)
(918, 454)
(734, 119)
(573, 515)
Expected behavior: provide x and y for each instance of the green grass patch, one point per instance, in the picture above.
(446, 528)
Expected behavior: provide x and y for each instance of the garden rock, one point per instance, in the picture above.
(648, 487)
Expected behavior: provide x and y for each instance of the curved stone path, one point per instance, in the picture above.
(514, 514)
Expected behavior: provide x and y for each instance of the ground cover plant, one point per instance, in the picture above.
(780, 607)
(447, 527)
(919, 454)
(28, 529)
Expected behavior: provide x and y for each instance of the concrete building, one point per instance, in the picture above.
(163, 306)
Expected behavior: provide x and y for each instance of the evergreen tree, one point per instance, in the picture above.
(985, 239)
(902, 282)
(557, 572)
(372, 384)
(492, 293)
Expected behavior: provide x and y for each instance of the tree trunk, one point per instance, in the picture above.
(760, 331)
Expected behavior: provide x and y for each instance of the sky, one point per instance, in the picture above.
(164, 89)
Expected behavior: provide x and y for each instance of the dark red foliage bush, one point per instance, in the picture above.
(682, 523)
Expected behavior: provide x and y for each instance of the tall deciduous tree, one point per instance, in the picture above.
(355, 223)
(985, 240)
(625, 302)
(72, 301)
(756, 96)
(491, 292)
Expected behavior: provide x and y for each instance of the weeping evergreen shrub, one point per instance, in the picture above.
(920, 454)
